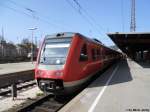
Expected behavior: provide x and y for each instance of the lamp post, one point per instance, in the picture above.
(32, 29)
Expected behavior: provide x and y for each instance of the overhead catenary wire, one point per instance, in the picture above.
(35, 15)
(27, 9)
(22, 6)
(79, 13)
(83, 14)
(97, 26)
(17, 11)
(88, 15)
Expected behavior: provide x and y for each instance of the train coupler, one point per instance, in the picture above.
(50, 85)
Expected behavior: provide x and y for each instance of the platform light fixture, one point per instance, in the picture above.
(32, 29)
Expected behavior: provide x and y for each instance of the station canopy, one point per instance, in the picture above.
(131, 42)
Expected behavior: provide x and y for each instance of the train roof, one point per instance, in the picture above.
(71, 34)
(61, 34)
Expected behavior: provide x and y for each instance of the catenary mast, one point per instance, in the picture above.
(133, 21)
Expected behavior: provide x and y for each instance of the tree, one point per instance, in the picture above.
(26, 44)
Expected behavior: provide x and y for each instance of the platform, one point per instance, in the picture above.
(16, 67)
(16, 72)
(124, 87)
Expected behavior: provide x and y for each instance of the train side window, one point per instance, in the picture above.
(98, 53)
(83, 53)
(93, 54)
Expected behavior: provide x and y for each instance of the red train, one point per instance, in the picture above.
(67, 60)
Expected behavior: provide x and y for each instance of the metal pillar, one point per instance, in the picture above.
(142, 55)
(32, 48)
(32, 44)
(14, 91)
(133, 21)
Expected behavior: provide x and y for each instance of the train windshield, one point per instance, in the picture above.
(54, 53)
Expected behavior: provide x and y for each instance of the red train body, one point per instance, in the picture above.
(67, 60)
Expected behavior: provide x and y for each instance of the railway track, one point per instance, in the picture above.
(21, 79)
(48, 103)
(20, 86)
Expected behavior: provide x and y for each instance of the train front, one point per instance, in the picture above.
(51, 61)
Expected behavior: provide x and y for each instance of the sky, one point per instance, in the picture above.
(92, 18)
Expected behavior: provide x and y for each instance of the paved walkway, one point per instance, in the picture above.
(125, 87)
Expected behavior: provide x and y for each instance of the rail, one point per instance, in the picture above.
(48, 103)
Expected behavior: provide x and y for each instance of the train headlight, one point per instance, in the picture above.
(59, 73)
(58, 61)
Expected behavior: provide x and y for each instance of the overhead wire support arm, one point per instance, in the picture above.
(34, 14)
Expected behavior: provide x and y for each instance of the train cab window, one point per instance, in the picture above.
(83, 53)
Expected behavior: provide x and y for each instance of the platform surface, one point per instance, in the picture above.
(124, 87)
(16, 67)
